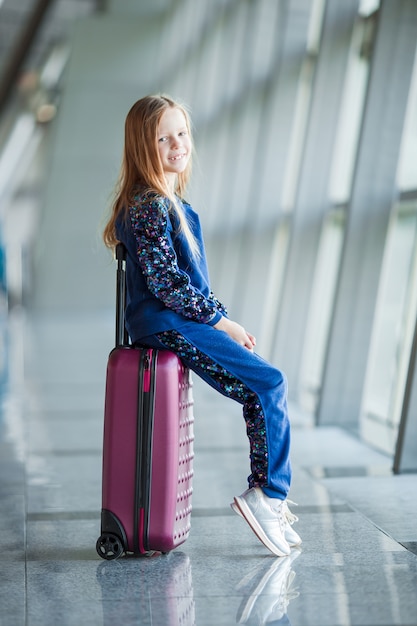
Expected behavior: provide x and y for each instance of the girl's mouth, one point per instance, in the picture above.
(177, 157)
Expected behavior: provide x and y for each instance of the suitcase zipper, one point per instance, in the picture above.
(145, 404)
(146, 372)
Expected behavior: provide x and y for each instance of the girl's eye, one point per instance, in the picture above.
(162, 139)
(182, 133)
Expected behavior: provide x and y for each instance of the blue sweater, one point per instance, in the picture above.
(166, 285)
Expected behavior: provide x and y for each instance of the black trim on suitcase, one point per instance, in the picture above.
(122, 337)
(145, 419)
(145, 411)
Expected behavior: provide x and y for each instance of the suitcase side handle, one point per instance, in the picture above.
(122, 337)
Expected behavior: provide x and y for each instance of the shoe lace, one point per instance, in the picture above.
(291, 517)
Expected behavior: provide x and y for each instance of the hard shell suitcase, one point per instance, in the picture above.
(148, 445)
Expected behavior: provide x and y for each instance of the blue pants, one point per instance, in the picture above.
(245, 377)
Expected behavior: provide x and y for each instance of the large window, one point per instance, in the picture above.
(393, 330)
(340, 183)
(407, 167)
(397, 300)
(321, 307)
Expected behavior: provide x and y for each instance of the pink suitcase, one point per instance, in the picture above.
(148, 446)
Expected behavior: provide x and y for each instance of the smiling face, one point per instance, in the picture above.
(174, 143)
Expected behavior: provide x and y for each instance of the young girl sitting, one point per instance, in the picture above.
(170, 305)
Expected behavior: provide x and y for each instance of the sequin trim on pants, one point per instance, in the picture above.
(231, 387)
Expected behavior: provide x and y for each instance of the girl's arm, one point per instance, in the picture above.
(158, 261)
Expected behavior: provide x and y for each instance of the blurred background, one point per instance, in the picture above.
(305, 124)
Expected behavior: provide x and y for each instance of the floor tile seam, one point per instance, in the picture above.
(221, 511)
(62, 516)
(65, 452)
(59, 416)
(411, 546)
(333, 494)
(329, 471)
(358, 511)
(388, 534)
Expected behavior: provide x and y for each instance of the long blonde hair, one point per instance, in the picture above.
(142, 168)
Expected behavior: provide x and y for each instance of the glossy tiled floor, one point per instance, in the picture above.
(357, 566)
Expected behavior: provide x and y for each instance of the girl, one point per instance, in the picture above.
(170, 305)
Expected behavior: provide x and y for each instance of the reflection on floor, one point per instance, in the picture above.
(357, 565)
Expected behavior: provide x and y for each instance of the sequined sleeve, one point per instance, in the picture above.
(219, 305)
(158, 261)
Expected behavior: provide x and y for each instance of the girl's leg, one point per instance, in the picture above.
(245, 377)
(239, 374)
(227, 384)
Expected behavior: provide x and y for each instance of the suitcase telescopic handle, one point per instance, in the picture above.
(122, 338)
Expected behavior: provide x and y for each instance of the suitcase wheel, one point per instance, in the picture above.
(109, 546)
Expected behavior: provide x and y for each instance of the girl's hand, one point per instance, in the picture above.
(236, 332)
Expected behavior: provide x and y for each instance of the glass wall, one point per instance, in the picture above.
(339, 191)
(311, 244)
(324, 291)
(397, 300)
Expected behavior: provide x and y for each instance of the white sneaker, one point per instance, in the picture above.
(262, 514)
(292, 537)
